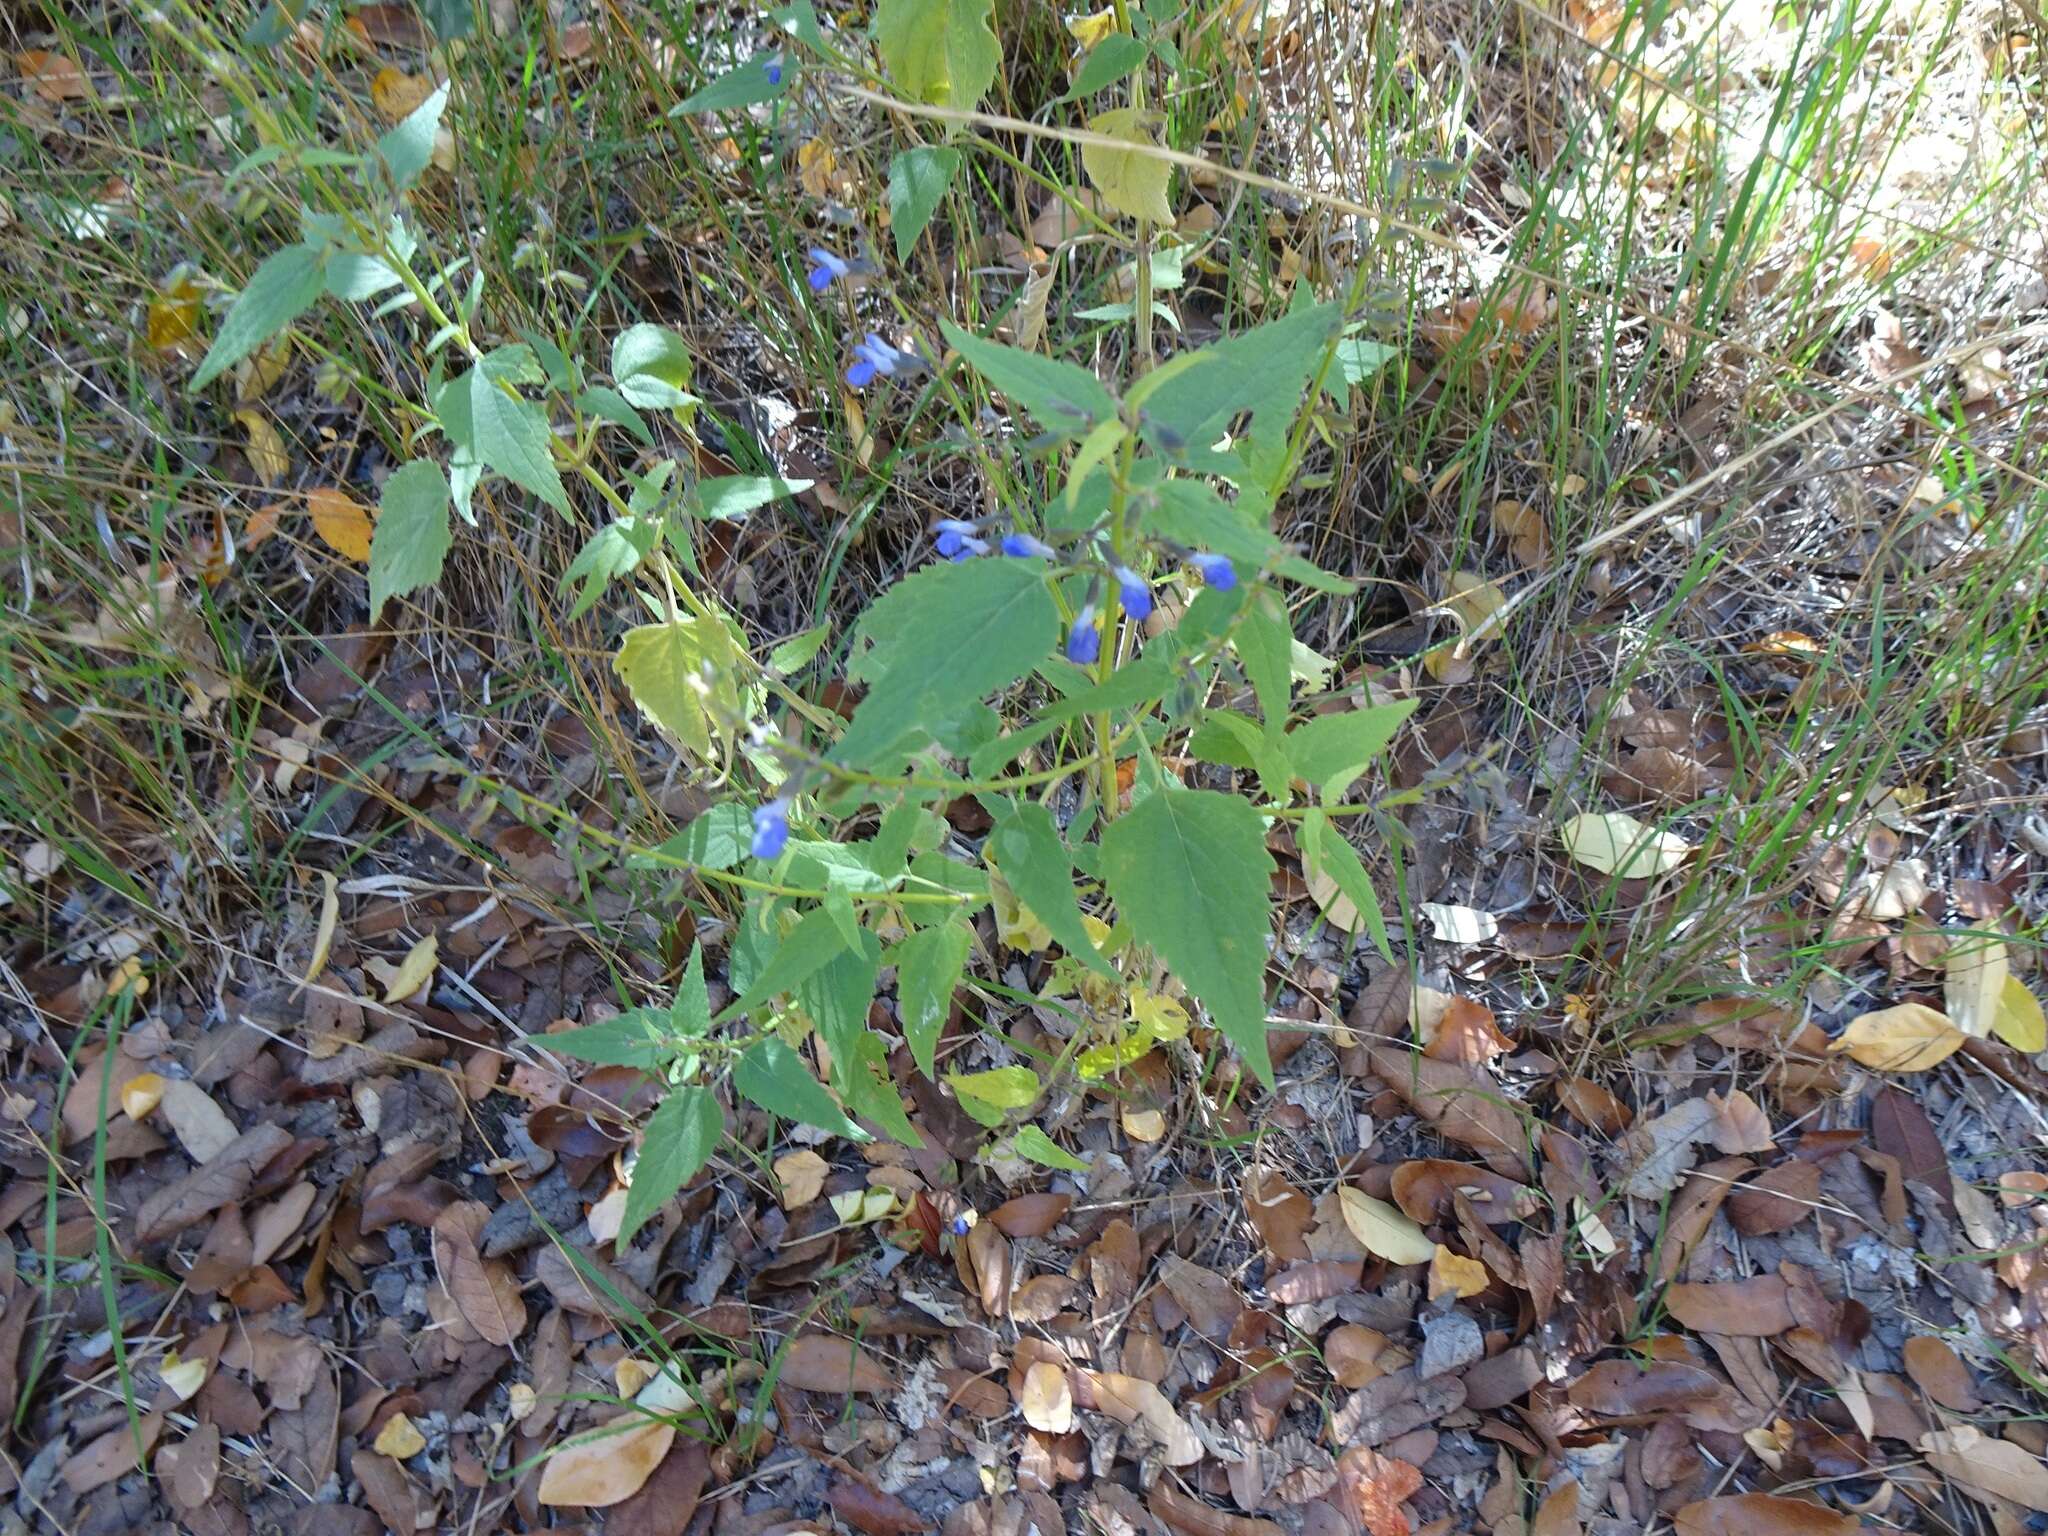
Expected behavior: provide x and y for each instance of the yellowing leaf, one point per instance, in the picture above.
(184, 1377)
(1909, 1037)
(267, 456)
(1163, 1016)
(857, 1207)
(330, 914)
(802, 1177)
(1146, 1125)
(1092, 29)
(609, 1464)
(396, 95)
(1617, 844)
(141, 1094)
(1452, 1274)
(341, 522)
(1017, 927)
(399, 1438)
(999, 1087)
(684, 674)
(817, 167)
(2019, 1022)
(174, 311)
(1130, 181)
(415, 970)
(1977, 973)
(1383, 1229)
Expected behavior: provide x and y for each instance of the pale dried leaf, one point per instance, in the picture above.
(1975, 986)
(609, 1464)
(1384, 1229)
(1907, 1037)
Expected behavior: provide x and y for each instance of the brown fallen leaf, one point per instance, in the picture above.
(388, 1490)
(1593, 1106)
(1031, 1215)
(224, 1178)
(111, 1455)
(191, 1479)
(54, 76)
(1762, 1514)
(1758, 1308)
(1376, 1487)
(1424, 1188)
(1939, 1371)
(1281, 1213)
(818, 1362)
(608, 1465)
(485, 1291)
(1133, 1400)
(1353, 1353)
(1395, 1404)
(1458, 1103)
(867, 1509)
(1045, 1400)
(1900, 1127)
(301, 1440)
(1210, 1301)
(668, 1498)
(1776, 1200)
(1195, 1518)
(1966, 1455)
(1316, 1281)
(1739, 1124)
(1657, 1153)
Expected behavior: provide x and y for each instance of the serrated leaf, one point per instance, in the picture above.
(1331, 751)
(613, 551)
(1130, 180)
(716, 839)
(278, 292)
(411, 539)
(1067, 400)
(1617, 844)
(510, 434)
(1190, 873)
(609, 405)
(681, 1135)
(1032, 1143)
(1033, 858)
(634, 1038)
(918, 179)
(652, 367)
(1384, 1230)
(773, 1076)
(944, 638)
(1907, 1037)
(1263, 371)
(928, 967)
(938, 51)
(682, 674)
(745, 86)
(2019, 1022)
(1330, 856)
(689, 1014)
(1190, 512)
(408, 147)
(1108, 62)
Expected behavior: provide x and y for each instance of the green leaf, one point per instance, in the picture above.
(742, 87)
(613, 551)
(1030, 1142)
(1187, 511)
(940, 51)
(279, 291)
(409, 146)
(1068, 401)
(681, 1136)
(1326, 849)
(1330, 751)
(683, 673)
(734, 496)
(690, 1014)
(450, 19)
(835, 996)
(510, 434)
(1265, 645)
(943, 638)
(1107, 62)
(1190, 873)
(1034, 861)
(869, 1088)
(609, 405)
(928, 966)
(1358, 359)
(652, 367)
(773, 1076)
(717, 839)
(1130, 180)
(634, 1038)
(411, 539)
(1262, 371)
(811, 945)
(918, 179)
(356, 278)
(799, 650)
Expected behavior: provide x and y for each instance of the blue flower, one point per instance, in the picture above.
(1217, 571)
(960, 1225)
(1022, 544)
(826, 268)
(1084, 640)
(1133, 590)
(875, 356)
(772, 68)
(956, 539)
(771, 829)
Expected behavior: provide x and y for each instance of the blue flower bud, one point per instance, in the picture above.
(771, 829)
(1134, 592)
(772, 68)
(1217, 571)
(875, 356)
(961, 1225)
(956, 540)
(826, 268)
(1084, 640)
(1022, 544)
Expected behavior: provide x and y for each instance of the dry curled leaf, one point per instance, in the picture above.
(1761, 1514)
(1907, 1037)
(1045, 1400)
(1384, 1230)
(818, 1362)
(1982, 1465)
(342, 523)
(484, 1291)
(607, 1465)
(1133, 1400)
(801, 1176)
